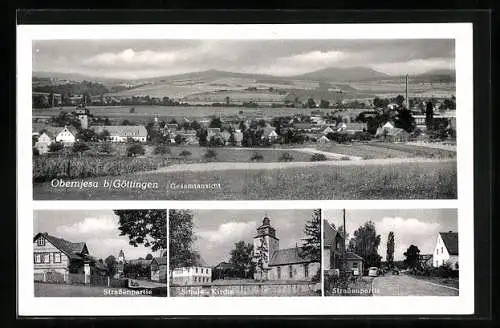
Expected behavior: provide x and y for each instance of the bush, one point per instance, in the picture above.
(185, 153)
(210, 154)
(56, 147)
(318, 157)
(256, 157)
(286, 157)
(161, 149)
(36, 152)
(105, 148)
(135, 149)
(79, 147)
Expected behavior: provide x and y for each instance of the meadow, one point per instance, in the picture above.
(436, 180)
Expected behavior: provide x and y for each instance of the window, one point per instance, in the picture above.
(46, 258)
(290, 271)
(306, 270)
(196, 270)
(441, 250)
(456, 266)
(279, 272)
(38, 258)
(57, 257)
(40, 242)
(355, 265)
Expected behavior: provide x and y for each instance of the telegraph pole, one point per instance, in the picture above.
(343, 269)
(406, 93)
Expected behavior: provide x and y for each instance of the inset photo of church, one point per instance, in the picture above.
(100, 253)
(245, 253)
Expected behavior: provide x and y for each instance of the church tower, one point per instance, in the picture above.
(121, 256)
(265, 241)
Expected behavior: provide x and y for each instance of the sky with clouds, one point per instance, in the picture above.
(419, 227)
(97, 228)
(218, 230)
(129, 59)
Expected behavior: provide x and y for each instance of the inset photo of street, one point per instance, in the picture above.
(407, 252)
(233, 253)
(100, 253)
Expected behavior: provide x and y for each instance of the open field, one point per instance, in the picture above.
(425, 180)
(386, 150)
(146, 113)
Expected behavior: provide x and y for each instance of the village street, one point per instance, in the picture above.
(404, 285)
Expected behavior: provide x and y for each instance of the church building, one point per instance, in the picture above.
(274, 263)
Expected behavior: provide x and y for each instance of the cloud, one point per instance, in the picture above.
(228, 232)
(90, 226)
(407, 231)
(416, 66)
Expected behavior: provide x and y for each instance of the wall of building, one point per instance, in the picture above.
(298, 271)
(191, 276)
(326, 257)
(48, 251)
(440, 255)
(255, 289)
(159, 272)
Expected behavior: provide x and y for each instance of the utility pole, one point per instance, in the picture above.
(343, 268)
(406, 93)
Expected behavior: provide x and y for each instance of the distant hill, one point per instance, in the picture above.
(211, 74)
(350, 74)
(437, 75)
(74, 77)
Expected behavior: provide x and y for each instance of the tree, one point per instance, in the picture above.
(55, 147)
(260, 257)
(111, 265)
(125, 122)
(132, 110)
(210, 154)
(103, 135)
(185, 153)
(311, 103)
(36, 152)
(86, 135)
(256, 157)
(162, 149)
(312, 242)
(181, 239)
(399, 100)
(404, 120)
(241, 258)
(179, 139)
(149, 256)
(79, 147)
(412, 255)
(324, 104)
(429, 115)
(135, 149)
(286, 157)
(144, 227)
(318, 157)
(365, 243)
(215, 123)
(389, 258)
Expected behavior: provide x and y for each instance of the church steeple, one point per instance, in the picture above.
(121, 256)
(265, 229)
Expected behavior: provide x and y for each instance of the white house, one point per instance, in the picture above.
(446, 250)
(66, 136)
(43, 143)
(323, 140)
(328, 130)
(193, 275)
(121, 133)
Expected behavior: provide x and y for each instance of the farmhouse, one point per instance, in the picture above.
(269, 133)
(328, 130)
(43, 143)
(323, 140)
(67, 135)
(396, 135)
(332, 252)
(121, 133)
(446, 250)
(281, 264)
(159, 269)
(59, 260)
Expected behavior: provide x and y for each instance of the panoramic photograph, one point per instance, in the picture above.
(100, 253)
(244, 119)
(411, 252)
(238, 253)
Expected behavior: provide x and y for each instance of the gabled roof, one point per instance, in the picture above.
(72, 250)
(142, 262)
(352, 256)
(450, 240)
(224, 266)
(160, 260)
(330, 233)
(289, 256)
(123, 130)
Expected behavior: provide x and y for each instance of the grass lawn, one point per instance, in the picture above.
(450, 282)
(362, 286)
(55, 290)
(398, 181)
